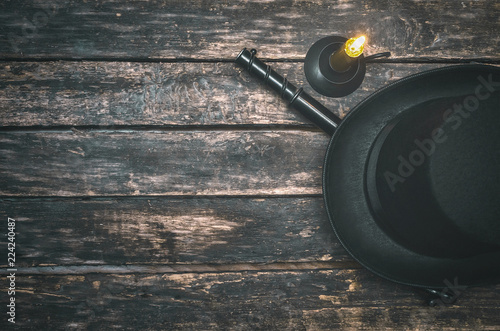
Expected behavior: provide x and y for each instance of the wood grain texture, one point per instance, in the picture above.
(292, 300)
(162, 94)
(156, 185)
(155, 231)
(141, 163)
(198, 29)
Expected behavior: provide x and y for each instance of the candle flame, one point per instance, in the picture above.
(354, 46)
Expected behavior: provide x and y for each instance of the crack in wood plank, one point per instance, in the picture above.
(185, 268)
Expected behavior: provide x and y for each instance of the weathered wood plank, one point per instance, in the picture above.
(168, 230)
(292, 300)
(173, 94)
(97, 163)
(199, 29)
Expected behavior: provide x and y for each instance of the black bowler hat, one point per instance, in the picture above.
(412, 178)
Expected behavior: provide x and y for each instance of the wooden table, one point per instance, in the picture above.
(155, 184)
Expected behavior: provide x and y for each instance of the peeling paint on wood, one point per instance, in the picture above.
(169, 230)
(220, 29)
(314, 300)
(162, 94)
(161, 163)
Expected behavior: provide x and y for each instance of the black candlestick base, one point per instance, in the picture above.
(323, 78)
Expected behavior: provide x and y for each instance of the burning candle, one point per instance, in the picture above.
(342, 59)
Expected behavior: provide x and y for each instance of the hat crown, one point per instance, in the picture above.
(433, 178)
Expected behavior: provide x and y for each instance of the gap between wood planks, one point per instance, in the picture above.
(160, 128)
(51, 198)
(409, 60)
(187, 268)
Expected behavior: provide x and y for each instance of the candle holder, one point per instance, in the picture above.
(330, 71)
